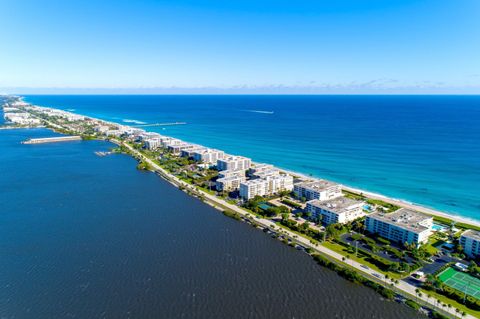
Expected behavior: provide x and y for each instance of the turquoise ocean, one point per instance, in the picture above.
(422, 149)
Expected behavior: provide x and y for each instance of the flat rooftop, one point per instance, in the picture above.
(318, 185)
(473, 234)
(337, 205)
(403, 218)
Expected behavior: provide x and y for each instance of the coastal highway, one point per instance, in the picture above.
(403, 286)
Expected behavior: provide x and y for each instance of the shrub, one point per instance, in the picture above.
(383, 240)
(412, 304)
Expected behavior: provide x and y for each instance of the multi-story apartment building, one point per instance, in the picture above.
(233, 163)
(337, 210)
(259, 168)
(254, 187)
(208, 155)
(229, 183)
(402, 226)
(269, 185)
(470, 241)
(279, 183)
(319, 189)
(190, 152)
(153, 143)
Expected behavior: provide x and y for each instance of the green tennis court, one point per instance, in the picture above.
(461, 281)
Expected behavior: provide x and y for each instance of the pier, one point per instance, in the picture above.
(52, 139)
(160, 124)
(13, 127)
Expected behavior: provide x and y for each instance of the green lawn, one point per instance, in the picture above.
(343, 251)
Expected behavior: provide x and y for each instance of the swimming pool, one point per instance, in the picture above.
(437, 227)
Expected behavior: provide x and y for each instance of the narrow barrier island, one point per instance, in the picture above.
(425, 259)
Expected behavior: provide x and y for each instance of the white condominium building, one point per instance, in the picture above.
(168, 141)
(267, 173)
(319, 189)
(261, 167)
(153, 143)
(403, 226)
(178, 148)
(231, 173)
(470, 241)
(253, 187)
(190, 152)
(278, 183)
(266, 186)
(208, 155)
(337, 210)
(233, 163)
(229, 183)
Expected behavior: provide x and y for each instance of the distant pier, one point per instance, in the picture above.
(160, 124)
(52, 139)
(13, 127)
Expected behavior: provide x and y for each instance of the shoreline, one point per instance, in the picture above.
(430, 210)
(402, 287)
(399, 202)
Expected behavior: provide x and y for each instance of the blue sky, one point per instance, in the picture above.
(392, 46)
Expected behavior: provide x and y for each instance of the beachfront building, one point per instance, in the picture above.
(168, 141)
(230, 183)
(269, 185)
(470, 241)
(233, 163)
(337, 210)
(153, 143)
(402, 226)
(260, 168)
(189, 152)
(267, 174)
(254, 187)
(176, 149)
(208, 155)
(319, 189)
(278, 183)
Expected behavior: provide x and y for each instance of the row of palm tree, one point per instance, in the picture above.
(439, 304)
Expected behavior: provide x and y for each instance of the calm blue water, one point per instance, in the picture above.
(424, 149)
(83, 236)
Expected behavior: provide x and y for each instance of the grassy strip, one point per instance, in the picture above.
(343, 251)
(447, 301)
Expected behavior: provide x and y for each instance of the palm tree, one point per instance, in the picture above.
(457, 312)
(417, 291)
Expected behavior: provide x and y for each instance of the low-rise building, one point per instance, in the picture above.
(319, 189)
(233, 163)
(337, 210)
(402, 226)
(470, 241)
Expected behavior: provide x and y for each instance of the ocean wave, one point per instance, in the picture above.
(259, 111)
(133, 121)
